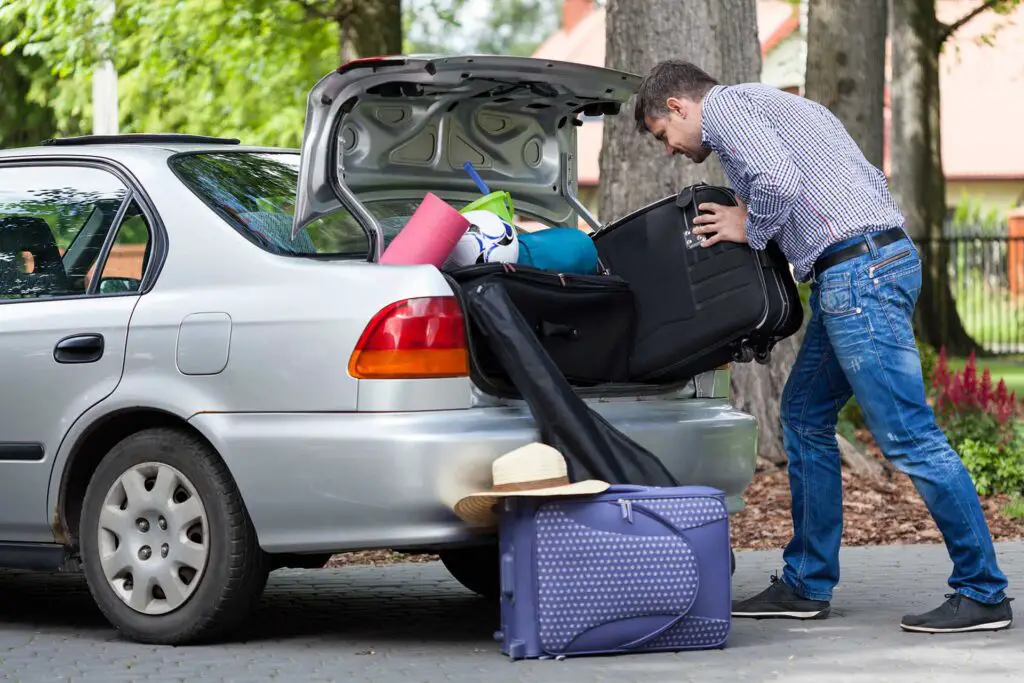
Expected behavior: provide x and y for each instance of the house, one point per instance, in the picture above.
(982, 92)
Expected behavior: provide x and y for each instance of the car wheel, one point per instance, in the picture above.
(476, 568)
(168, 550)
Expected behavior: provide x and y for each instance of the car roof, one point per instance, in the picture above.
(128, 147)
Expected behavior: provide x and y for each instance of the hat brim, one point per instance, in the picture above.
(477, 509)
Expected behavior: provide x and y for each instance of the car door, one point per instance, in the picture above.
(66, 298)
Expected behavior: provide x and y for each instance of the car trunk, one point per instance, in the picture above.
(390, 129)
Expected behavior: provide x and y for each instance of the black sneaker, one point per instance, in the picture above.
(779, 601)
(960, 614)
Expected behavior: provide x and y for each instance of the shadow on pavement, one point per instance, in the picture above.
(396, 605)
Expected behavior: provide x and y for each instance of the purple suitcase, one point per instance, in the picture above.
(635, 569)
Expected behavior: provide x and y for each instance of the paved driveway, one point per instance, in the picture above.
(413, 623)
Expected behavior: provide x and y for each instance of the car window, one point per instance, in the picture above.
(53, 224)
(129, 255)
(255, 194)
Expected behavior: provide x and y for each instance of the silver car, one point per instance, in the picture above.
(180, 320)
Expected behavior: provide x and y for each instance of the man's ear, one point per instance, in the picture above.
(677, 105)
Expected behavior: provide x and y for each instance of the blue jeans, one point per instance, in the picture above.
(860, 342)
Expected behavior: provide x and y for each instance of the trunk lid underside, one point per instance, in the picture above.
(389, 129)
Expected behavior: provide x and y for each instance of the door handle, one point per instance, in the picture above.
(80, 348)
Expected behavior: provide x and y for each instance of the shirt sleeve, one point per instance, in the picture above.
(739, 130)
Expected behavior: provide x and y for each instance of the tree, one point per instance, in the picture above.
(22, 122)
(846, 67)
(235, 68)
(915, 156)
(365, 28)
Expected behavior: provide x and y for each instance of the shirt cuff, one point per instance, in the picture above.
(757, 238)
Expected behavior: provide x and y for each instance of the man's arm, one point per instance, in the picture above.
(775, 181)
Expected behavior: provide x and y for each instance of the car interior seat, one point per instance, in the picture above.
(32, 235)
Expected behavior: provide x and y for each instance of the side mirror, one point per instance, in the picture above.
(113, 285)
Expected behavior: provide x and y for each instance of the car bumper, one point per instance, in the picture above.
(326, 482)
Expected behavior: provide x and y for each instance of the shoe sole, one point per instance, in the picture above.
(991, 626)
(819, 614)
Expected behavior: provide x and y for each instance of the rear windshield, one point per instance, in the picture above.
(255, 194)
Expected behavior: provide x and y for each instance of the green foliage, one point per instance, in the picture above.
(215, 67)
(979, 421)
(1015, 508)
(994, 468)
(236, 68)
(929, 359)
(971, 218)
(22, 122)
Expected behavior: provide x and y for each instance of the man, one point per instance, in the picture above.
(802, 181)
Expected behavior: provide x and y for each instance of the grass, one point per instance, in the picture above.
(1009, 369)
(1015, 508)
(991, 315)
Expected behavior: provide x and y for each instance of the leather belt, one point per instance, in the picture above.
(860, 248)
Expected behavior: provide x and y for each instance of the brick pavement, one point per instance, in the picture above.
(413, 623)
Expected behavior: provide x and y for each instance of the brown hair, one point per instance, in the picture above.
(670, 78)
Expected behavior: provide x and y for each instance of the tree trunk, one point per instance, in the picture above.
(377, 28)
(846, 67)
(757, 390)
(915, 159)
(720, 36)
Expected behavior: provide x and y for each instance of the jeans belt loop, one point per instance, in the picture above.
(872, 247)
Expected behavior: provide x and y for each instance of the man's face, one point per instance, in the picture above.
(680, 130)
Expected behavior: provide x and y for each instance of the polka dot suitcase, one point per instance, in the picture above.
(635, 569)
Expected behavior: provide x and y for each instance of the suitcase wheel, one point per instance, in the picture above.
(763, 357)
(744, 354)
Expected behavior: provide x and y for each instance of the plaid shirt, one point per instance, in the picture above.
(805, 181)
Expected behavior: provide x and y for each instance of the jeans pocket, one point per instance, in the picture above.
(836, 296)
(894, 264)
(898, 299)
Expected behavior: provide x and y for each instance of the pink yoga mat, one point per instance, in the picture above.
(430, 235)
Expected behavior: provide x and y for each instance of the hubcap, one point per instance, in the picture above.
(153, 538)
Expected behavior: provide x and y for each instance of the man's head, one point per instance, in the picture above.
(668, 105)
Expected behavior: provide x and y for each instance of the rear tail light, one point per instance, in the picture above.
(371, 63)
(413, 339)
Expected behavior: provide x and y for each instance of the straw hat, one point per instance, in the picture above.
(533, 470)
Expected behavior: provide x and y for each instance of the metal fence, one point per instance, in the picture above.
(986, 276)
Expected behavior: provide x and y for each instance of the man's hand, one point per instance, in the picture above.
(722, 224)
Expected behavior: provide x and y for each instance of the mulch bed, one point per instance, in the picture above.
(880, 511)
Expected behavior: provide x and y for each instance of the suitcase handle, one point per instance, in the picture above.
(640, 642)
(558, 330)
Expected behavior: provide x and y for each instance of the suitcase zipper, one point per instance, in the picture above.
(627, 509)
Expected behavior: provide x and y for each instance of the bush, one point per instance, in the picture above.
(981, 426)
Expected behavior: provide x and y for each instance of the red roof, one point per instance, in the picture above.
(982, 86)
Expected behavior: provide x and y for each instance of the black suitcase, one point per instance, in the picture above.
(584, 322)
(697, 308)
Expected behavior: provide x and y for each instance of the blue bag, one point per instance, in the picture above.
(562, 250)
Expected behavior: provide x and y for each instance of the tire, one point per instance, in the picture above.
(477, 568)
(233, 568)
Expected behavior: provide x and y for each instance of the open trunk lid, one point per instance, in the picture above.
(391, 129)
(395, 127)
